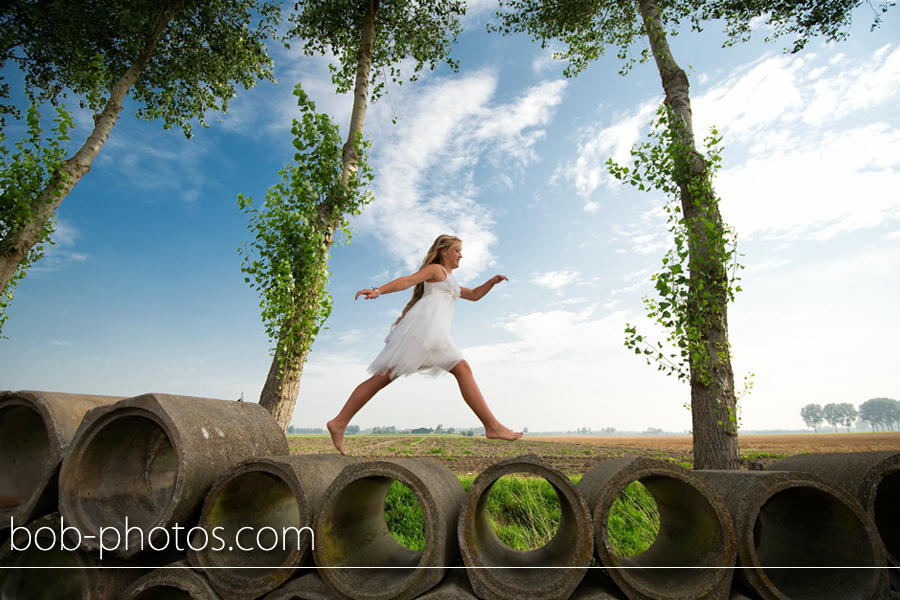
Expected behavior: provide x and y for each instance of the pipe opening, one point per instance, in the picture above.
(807, 527)
(49, 573)
(887, 516)
(404, 518)
(126, 473)
(24, 452)
(354, 533)
(690, 539)
(547, 563)
(633, 521)
(523, 512)
(254, 522)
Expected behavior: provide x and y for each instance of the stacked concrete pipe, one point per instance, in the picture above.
(356, 554)
(269, 496)
(308, 586)
(800, 536)
(36, 429)
(43, 565)
(696, 535)
(552, 571)
(136, 473)
(873, 478)
(174, 582)
(597, 585)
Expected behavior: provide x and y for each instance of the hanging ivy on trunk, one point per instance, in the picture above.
(693, 288)
(287, 262)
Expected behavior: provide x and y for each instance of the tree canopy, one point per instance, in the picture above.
(880, 412)
(204, 48)
(404, 29)
(587, 28)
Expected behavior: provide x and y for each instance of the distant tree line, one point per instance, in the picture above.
(351, 430)
(879, 413)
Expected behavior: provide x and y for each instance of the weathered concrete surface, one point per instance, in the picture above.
(272, 495)
(554, 570)
(308, 586)
(36, 429)
(873, 478)
(137, 470)
(42, 567)
(174, 582)
(455, 586)
(351, 530)
(696, 534)
(792, 524)
(597, 585)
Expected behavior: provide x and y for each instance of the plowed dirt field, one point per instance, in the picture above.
(578, 454)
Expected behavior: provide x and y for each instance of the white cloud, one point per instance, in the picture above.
(598, 143)
(823, 185)
(425, 164)
(790, 170)
(60, 254)
(555, 280)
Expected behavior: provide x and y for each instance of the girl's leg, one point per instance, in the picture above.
(472, 395)
(360, 396)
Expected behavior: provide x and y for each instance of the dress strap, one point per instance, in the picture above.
(444, 270)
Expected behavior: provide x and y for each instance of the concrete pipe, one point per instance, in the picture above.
(696, 535)
(308, 586)
(35, 431)
(597, 585)
(551, 571)
(873, 478)
(173, 582)
(351, 530)
(455, 586)
(260, 515)
(137, 471)
(42, 564)
(800, 536)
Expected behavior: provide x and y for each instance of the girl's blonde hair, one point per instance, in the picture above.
(443, 242)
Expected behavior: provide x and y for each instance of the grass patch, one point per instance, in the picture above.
(633, 521)
(404, 518)
(524, 513)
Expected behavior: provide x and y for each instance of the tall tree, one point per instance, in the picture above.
(848, 415)
(842, 413)
(177, 59)
(586, 29)
(287, 261)
(813, 415)
(368, 38)
(880, 411)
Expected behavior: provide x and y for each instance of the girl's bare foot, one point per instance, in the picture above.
(503, 433)
(337, 435)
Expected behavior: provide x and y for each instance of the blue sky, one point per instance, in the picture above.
(143, 292)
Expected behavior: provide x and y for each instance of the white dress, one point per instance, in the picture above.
(420, 342)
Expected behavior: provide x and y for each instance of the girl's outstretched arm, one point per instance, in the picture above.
(482, 290)
(431, 272)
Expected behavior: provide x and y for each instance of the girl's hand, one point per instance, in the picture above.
(497, 279)
(369, 294)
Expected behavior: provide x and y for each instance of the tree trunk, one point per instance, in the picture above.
(713, 402)
(18, 243)
(282, 386)
(279, 394)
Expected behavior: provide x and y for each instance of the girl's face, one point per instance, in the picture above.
(452, 256)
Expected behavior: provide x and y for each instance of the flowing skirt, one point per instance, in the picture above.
(420, 342)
